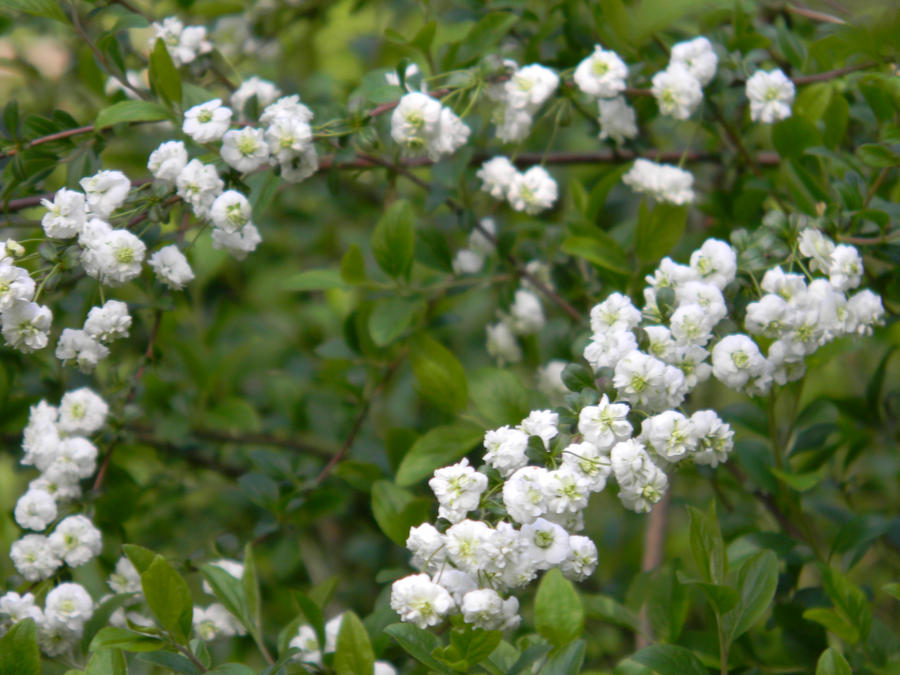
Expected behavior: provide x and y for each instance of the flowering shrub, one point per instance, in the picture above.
(278, 267)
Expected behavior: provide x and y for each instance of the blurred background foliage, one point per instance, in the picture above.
(252, 385)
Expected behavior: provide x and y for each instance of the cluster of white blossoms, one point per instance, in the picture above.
(771, 96)
(602, 76)
(56, 443)
(470, 260)
(679, 88)
(531, 191)
(311, 651)
(663, 182)
(685, 303)
(24, 323)
(520, 97)
(419, 123)
(525, 317)
(184, 43)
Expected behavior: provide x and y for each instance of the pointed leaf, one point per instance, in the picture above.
(558, 612)
(354, 655)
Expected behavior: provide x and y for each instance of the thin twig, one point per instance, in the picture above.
(832, 74)
(58, 136)
(814, 15)
(360, 418)
(654, 545)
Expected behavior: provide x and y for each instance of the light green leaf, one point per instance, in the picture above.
(605, 608)
(19, 653)
(354, 655)
(417, 643)
(49, 9)
(228, 590)
(439, 374)
(437, 448)
(892, 589)
(558, 612)
(139, 556)
(393, 240)
(670, 660)
(107, 662)
(396, 510)
(128, 640)
(707, 545)
(163, 74)
(834, 622)
(801, 482)
(499, 396)
(130, 111)
(390, 317)
(721, 597)
(599, 249)
(315, 280)
(832, 662)
(353, 266)
(567, 661)
(757, 581)
(169, 598)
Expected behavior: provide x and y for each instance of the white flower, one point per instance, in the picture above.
(207, 122)
(458, 490)
(15, 608)
(501, 343)
(81, 411)
(33, 557)
(76, 458)
(184, 44)
(125, 578)
(640, 379)
(506, 449)
(677, 91)
(456, 582)
(618, 120)
(714, 438)
(417, 599)
(308, 644)
(40, 439)
(817, 247)
(513, 124)
(245, 150)
(35, 510)
(66, 214)
(75, 540)
(265, 92)
(497, 175)
(300, 167)
(171, 267)
(846, 267)
(522, 494)
(213, 622)
(706, 295)
(549, 378)
(767, 316)
(541, 423)
(483, 608)
(526, 315)
(287, 137)
(105, 191)
(582, 559)
(736, 360)
(530, 86)
(565, 490)
(771, 95)
(715, 262)
(428, 548)
(230, 211)
(866, 309)
(70, 605)
(604, 424)
(114, 259)
(108, 322)
(614, 314)
(698, 57)
(16, 285)
(286, 106)
(238, 243)
(415, 120)
(199, 185)
(26, 326)
(546, 542)
(167, 161)
(79, 347)
(533, 191)
(691, 324)
(467, 262)
(605, 350)
(590, 462)
(602, 74)
(451, 134)
(662, 181)
(669, 434)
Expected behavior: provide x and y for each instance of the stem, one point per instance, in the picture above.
(723, 647)
(654, 542)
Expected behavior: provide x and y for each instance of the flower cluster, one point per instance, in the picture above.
(520, 97)
(664, 182)
(525, 317)
(532, 191)
(24, 323)
(184, 43)
(420, 123)
(311, 651)
(470, 260)
(602, 76)
(60, 623)
(679, 88)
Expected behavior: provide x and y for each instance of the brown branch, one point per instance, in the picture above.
(360, 418)
(814, 15)
(654, 544)
(832, 74)
(58, 136)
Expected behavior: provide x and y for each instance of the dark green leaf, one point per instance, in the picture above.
(707, 545)
(163, 74)
(877, 156)
(250, 584)
(670, 660)
(393, 240)
(128, 640)
(19, 653)
(417, 643)
(605, 608)
(353, 266)
(667, 603)
(600, 249)
(558, 612)
(484, 35)
(227, 589)
(837, 116)
(567, 661)
(757, 581)
(437, 448)
(658, 230)
(130, 111)
(390, 317)
(721, 597)
(794, 135)
(50, 9)
(174, 662)
(576, 377)
(499, 396)
(439, 374)
(100, 617)
(396, 510)
(832, 662)
(169, 598)
(354, 655)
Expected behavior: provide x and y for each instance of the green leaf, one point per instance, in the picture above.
(315, 280)
(707, 545)
(354, 655)
(228, 590)
(169, 598)
(892, 589)
(484, 35)
(670, 660)
(832, 662)
(658, 230)
(417, 643)
(837, 116)
(801, 482)
(567, 661)
(499, 396)
(667, 603)
(850, 603)
(439, 374)
(390, 317)
(313, 614)
(813, 100)
(393, 240)
(163, 74)
(396, 510)
(49, 9)
(558, 612)
(130, 111)
(437, 448)
(877, 156)
(757, 581)
(794, 135)
(576, 377)
(107, 662)
(834, 622)
(128, 640)
(602, 188)
(722, 598)
(605, 608)
(353, 266)
(174, 662)
(19, 653)
(139, 556)
(100, 617)
(599, 249)
(475, 644)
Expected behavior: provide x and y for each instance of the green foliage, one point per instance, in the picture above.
(558, 612)
(19, 654)
(354, 654)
